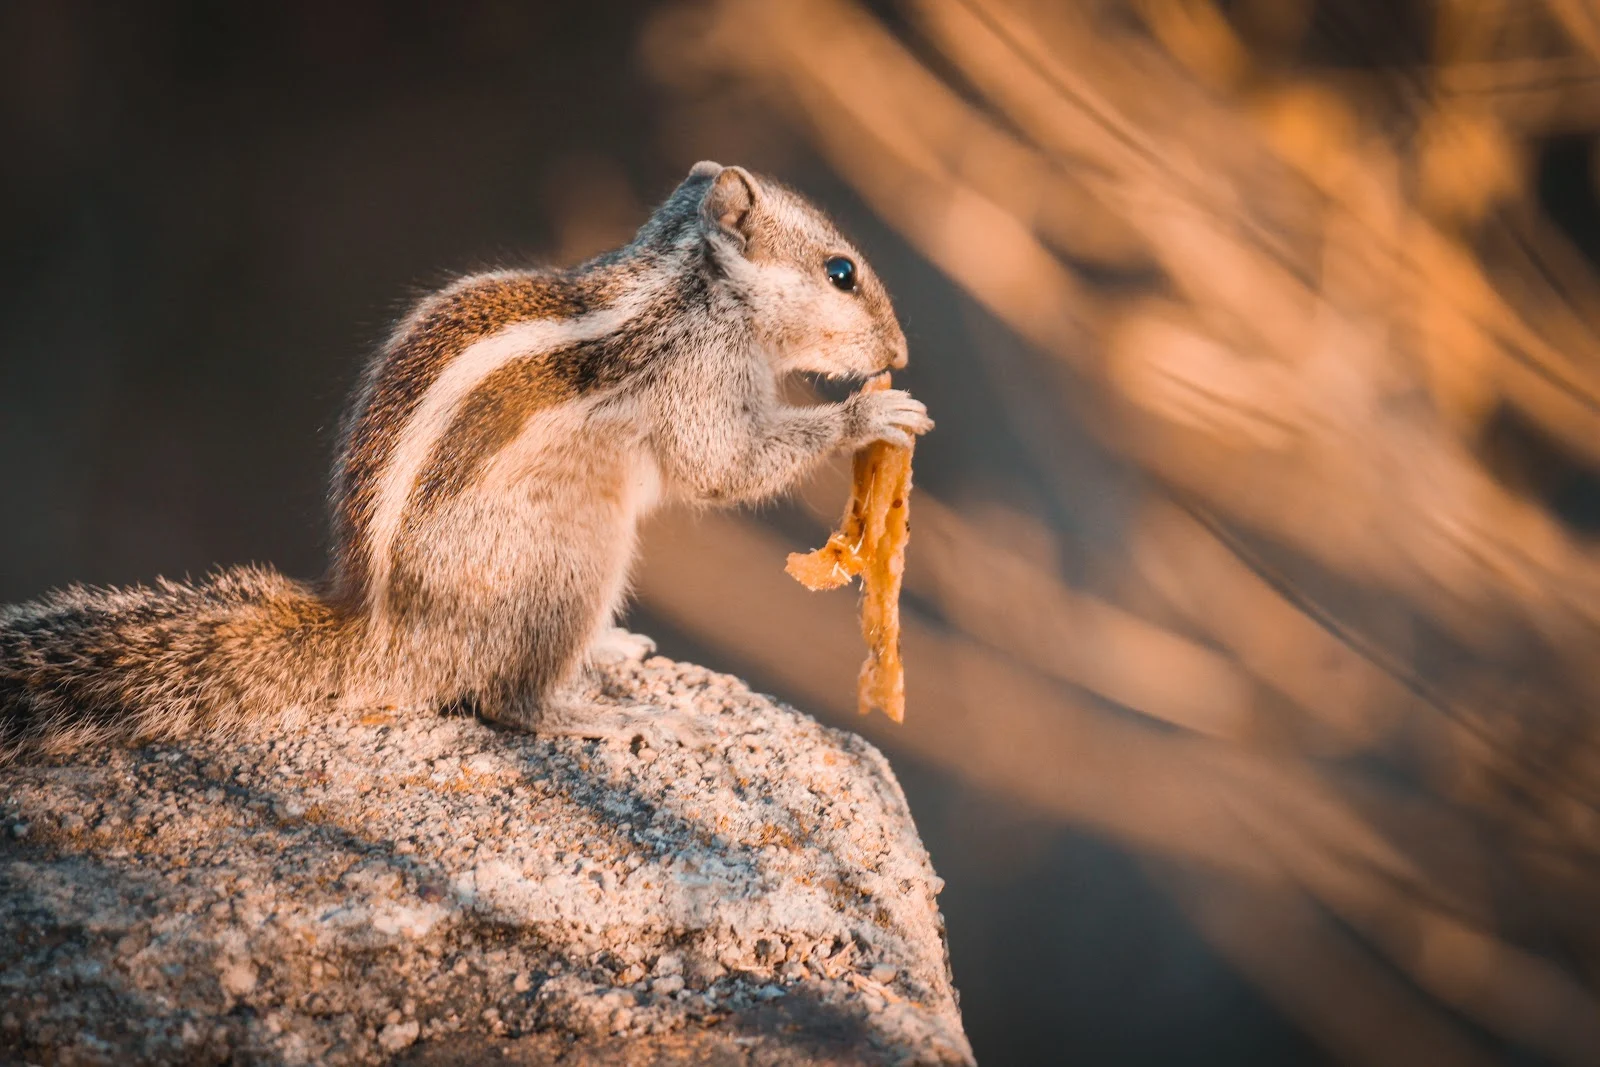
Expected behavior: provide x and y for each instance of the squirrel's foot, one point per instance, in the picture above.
(616, 645)
(658, 728)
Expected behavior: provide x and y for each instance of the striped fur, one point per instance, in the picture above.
(497, 457)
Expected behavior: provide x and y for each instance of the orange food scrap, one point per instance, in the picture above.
(871, 541)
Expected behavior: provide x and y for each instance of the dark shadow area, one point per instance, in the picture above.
(793, 1031)
(1535, 465)
(1568, 190)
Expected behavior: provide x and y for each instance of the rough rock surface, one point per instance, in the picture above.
(432, 889)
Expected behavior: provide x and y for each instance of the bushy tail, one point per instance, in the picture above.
(83, 665)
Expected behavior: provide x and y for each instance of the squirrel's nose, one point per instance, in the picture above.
(898, 352)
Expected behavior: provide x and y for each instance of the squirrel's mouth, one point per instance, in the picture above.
(839, 375)
(835, 385)
(844, 364)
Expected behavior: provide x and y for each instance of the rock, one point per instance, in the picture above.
(237, 979)
(397, 1036)
(437, 890)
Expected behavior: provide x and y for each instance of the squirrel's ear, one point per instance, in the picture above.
(729, 203)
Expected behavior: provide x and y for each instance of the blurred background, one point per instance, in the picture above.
(1254, 593)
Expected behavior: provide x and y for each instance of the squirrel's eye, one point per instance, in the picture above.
(842, 273)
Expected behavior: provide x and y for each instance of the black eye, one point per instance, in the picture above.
(842, 273)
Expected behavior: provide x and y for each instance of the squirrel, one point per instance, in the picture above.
(494, 463)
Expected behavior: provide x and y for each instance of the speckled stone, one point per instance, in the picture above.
(434, 889)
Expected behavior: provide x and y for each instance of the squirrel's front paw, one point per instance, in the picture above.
(891, 415)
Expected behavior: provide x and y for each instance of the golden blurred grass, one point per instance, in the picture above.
(1337, 685)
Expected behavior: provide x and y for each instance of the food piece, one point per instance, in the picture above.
(871, 541)
(882, 683)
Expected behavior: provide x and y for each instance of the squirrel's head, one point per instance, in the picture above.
(816, 304)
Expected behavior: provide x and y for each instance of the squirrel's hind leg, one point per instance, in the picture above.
(569, 715)
(571, 710)
(559, 696)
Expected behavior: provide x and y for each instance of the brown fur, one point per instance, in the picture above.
(436, 331)
(491, 417)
